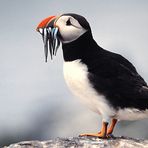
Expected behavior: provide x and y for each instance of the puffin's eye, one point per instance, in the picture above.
(68, 23)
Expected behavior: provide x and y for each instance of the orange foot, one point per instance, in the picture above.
(99, 135)
(105, 132)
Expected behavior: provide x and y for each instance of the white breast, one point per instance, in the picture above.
(76, 76)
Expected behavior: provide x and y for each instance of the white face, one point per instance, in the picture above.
(69, 28)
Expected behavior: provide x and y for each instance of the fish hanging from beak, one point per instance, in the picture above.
(49, 34)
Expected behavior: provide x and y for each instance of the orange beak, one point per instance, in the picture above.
(47, 22)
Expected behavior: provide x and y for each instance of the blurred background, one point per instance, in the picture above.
(35, 103)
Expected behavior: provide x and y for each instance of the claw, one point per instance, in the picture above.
(110, 136)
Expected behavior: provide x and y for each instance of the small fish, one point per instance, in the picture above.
(50, 40)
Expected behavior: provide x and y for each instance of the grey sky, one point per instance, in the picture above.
(27, 83)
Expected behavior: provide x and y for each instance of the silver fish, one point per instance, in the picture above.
(51, 41)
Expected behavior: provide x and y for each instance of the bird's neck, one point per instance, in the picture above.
(82, 48)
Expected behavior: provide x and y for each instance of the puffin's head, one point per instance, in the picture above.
(64, 28)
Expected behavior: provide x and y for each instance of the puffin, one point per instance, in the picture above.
(104, 81)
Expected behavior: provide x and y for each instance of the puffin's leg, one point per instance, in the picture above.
(101, 134)
(111, 127)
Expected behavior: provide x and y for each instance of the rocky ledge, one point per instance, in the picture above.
(83, 142)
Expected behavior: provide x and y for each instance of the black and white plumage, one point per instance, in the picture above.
(105, 81)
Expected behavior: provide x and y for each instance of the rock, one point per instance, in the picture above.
(83, 142)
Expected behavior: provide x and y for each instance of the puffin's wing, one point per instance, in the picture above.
(117, 79)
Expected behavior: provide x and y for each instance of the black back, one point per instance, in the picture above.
(110, 74)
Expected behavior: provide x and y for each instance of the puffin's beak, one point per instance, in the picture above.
(49, 34)
(49, 21)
